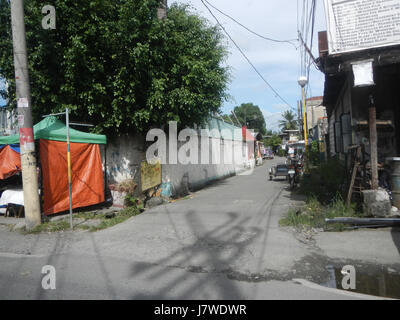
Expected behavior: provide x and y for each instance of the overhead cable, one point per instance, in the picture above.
(245, 56)
(251, 31)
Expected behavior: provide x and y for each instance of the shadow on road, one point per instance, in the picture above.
(395, 232)
(53, 259)
(19, 268)
(294, 196)
(212, 252)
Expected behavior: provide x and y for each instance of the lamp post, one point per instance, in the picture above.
(302, 82)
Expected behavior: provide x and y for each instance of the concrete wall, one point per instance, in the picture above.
(125, 154)
(123, 157)
(314, 111)
(190, 177)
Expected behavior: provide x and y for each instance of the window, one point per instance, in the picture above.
(338, 137)
(346, 131)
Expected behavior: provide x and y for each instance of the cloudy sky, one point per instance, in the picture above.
(279, 63)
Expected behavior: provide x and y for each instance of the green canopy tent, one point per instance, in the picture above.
(51, 128)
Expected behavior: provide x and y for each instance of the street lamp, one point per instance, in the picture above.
(302, 82)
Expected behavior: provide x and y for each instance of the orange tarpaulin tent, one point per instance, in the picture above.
(10, 162)
(86, 171)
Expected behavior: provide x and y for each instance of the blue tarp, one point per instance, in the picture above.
(14, 147)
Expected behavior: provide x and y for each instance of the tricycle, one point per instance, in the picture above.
(280, 170)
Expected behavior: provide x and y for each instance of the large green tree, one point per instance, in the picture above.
(114, 64)
(250, 115)
(273, 141)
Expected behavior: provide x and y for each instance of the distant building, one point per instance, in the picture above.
(8, 119)
(8, 125)
(315, 113)
(289, 137)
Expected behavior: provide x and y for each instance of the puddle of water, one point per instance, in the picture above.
(383, 283)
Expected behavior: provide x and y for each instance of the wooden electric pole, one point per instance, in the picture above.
(373, 144)
(26, 138)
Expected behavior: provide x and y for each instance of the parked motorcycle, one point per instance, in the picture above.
(292, 177)
(295, 171)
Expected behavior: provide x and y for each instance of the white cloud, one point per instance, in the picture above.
(281, 107)
(272, 119)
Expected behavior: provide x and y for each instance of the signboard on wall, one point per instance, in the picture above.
(150, 175)
(363, 73)
(354, 25)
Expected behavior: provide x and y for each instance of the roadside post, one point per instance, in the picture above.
(302, 82)
(373, 143)
(69, 168)
(25, 123)
(363, 72)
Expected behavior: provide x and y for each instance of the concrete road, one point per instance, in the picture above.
(223, 243)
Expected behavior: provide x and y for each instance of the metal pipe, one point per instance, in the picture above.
(53, 114)
(304, 117)
(69, 168)
(365, 221)
(81, 124)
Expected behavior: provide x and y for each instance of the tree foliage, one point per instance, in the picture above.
(229, 119)
(274, 141)
(114, 64)
(289, 121)
(250, 115)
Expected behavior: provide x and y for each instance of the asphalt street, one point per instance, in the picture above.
(222, 243)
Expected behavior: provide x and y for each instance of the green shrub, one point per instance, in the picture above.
(324, 181)
(338, 208)
(121, 216)
(313, 153)
(313, 214)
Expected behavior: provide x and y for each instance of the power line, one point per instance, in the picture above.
(307, 21)
(248, 60)
(310, 58)
(251, 31)
(312, 13)
(305, 36)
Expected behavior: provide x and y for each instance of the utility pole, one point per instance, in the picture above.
(233, 112)
(26, 138)
(302, 82)
(304, 118)
(299, 122)
(373, 144)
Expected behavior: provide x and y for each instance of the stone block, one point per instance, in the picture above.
(153, 202)
(376, 203)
